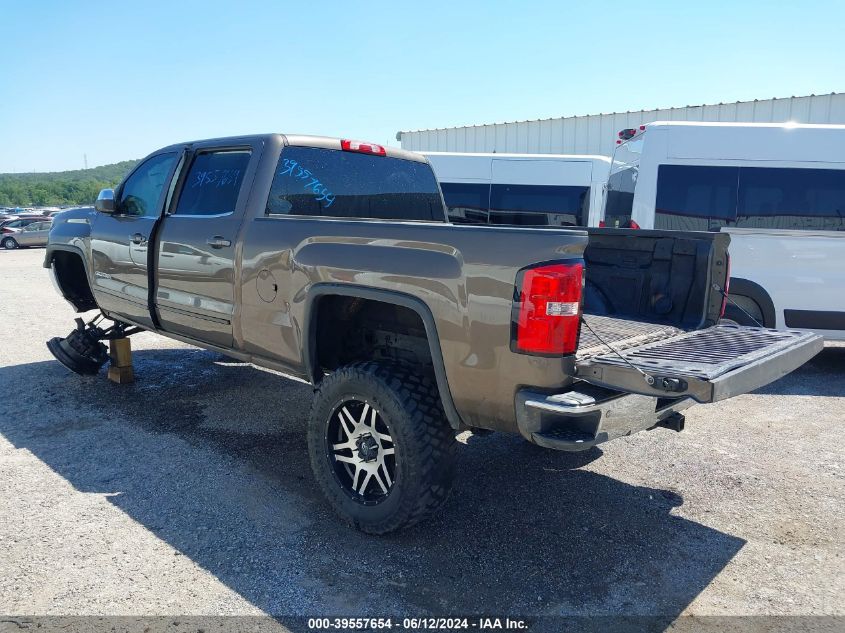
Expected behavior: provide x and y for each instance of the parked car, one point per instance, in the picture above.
(12, 213)
(33, 234)
(333, 261)
(777, 189)
(12, 225)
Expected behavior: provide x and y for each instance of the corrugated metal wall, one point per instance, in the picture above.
(596, 134)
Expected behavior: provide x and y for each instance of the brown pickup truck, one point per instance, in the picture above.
(332, 261)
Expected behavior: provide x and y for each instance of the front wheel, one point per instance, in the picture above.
(380, 446)
(9, 243)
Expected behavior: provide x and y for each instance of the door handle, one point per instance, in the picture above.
(137, 238)
(218, 242)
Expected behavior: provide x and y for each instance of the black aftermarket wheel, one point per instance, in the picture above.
(380, 447)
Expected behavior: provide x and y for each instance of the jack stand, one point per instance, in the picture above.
(120, 354)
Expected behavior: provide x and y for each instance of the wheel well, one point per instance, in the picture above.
(744, 311)
(353, 329)
(73, 280)
(752, 296)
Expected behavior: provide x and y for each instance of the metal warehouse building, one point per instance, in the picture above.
(596, 134)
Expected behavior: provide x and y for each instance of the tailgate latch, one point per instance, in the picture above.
(666, 383)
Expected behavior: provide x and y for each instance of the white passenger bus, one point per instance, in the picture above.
(521, 189)
(778, 189)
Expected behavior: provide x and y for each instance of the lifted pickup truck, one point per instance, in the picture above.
(332, 261)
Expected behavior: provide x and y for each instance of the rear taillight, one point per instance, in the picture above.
(633, 225)
(548, 309)
(362, 148)
(727, 286)
(602, 224)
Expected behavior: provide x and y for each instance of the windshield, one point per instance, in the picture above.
(621, 183)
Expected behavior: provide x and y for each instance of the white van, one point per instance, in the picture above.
(778, 189)
(521, 189)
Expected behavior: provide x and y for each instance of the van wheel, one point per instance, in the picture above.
(9, 243)
(750, 314)
(380, 446)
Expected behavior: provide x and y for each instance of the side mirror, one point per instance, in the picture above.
(105, 201)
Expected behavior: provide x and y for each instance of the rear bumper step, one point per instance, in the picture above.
(577, 421)
(708, 365)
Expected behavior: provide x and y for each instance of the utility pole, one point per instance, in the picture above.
(85, 159)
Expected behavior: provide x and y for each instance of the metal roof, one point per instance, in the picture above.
(596, 133)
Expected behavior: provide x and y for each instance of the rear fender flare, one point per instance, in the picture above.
(309, 352)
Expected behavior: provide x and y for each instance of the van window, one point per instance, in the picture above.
(467, 203)
(621, 183)
(695, 198)
(782, 198)
(539, 205)
(703, 198)
(333, 183)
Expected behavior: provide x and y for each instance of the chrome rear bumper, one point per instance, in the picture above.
(578, 420)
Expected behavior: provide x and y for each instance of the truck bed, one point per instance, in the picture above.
(620, 333)
(648, 286)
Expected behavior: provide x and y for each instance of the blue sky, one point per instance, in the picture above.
(116, 80)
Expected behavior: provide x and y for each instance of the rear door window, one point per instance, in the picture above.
(539, 205)
(333, 183)
(783, 198)
(695, 198)
(213, 183)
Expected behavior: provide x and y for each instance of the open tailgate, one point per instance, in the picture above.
(707, 365)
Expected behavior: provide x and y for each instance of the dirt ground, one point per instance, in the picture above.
(189, 492)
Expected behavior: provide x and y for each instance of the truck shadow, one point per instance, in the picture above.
(822, 375)
(209, 455)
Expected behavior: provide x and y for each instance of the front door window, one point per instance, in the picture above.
(141, 193)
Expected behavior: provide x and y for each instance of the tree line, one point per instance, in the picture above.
(60, 188)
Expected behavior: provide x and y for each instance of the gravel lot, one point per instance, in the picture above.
(189, 492)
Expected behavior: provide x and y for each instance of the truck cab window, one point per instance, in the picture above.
(213, 183)
(141, 192)
(332, 183)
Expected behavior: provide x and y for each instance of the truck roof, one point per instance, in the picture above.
(303, 140)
